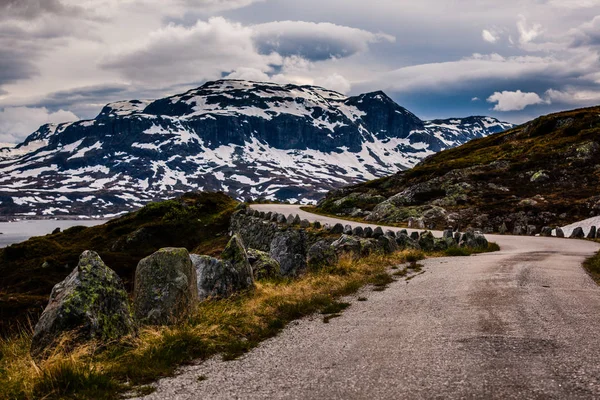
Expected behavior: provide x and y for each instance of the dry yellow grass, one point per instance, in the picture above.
(231, 327)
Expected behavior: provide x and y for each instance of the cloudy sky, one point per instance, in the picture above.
(63, 60)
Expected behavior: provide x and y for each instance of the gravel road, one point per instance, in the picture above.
(519, 323)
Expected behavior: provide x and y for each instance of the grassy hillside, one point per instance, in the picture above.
(29, 270)
(544, 172)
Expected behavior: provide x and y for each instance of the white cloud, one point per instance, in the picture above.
(475, 99)
(249, 74)
(573, 96)
(514, 101)
(527, 33)
(335, 82)
(16, 123)
(488, 36)
(177, 53)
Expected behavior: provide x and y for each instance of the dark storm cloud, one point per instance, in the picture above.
(314, 41)
(31, 9)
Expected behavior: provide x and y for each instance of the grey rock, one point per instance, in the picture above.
(427, 241)
(305, 224)
(448, 233)
(377, 232)
(592, 233)
(348, 230)
(531, 230)
(559, 232)
(165, 287)
(347, 245)
(414, 236)
(91, 303)
(317, 225)
(281, 219)
(321, 255)
(290, 219)
(388, 244)
(502, 229)
(296, 220)
(358, 231)
(337, 229)
(474, 240)
(268, 215)
(288, 248)
(546, 231)
(577, 233)
(390, 233)
(368, 231)
(457, 236)
(263, 266)
(518, 230)
(406, 242)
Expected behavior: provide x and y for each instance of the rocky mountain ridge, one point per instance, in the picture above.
(542, 174)
(248, 139)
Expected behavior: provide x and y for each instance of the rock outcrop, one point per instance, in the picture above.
(91, 303)
(288, 248)
(221, 278)
(165, 287)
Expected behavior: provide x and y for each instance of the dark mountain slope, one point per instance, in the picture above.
(247, 139)
(545, 172)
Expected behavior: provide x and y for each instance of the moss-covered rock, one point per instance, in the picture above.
(91, 303)
(165, 287)
(263, 266)
(321, 255)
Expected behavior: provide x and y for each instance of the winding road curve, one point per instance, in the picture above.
(520, 323)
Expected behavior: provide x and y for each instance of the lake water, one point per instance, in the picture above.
(19, 231)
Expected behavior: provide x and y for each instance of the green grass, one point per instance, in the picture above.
(592, 266)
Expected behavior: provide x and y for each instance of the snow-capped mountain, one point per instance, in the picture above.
(248, 139)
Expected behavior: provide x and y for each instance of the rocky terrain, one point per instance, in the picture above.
(91, 303)
(544, 173)
(29, 270)
(248, 139)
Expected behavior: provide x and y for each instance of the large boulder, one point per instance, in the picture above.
(91, 303)
(377, 232)
(288, 248)
(263, 266)
(559, 232)
(320, 255)
(165, 287)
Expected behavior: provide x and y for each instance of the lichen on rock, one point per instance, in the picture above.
(165, 287)
(91, 303)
